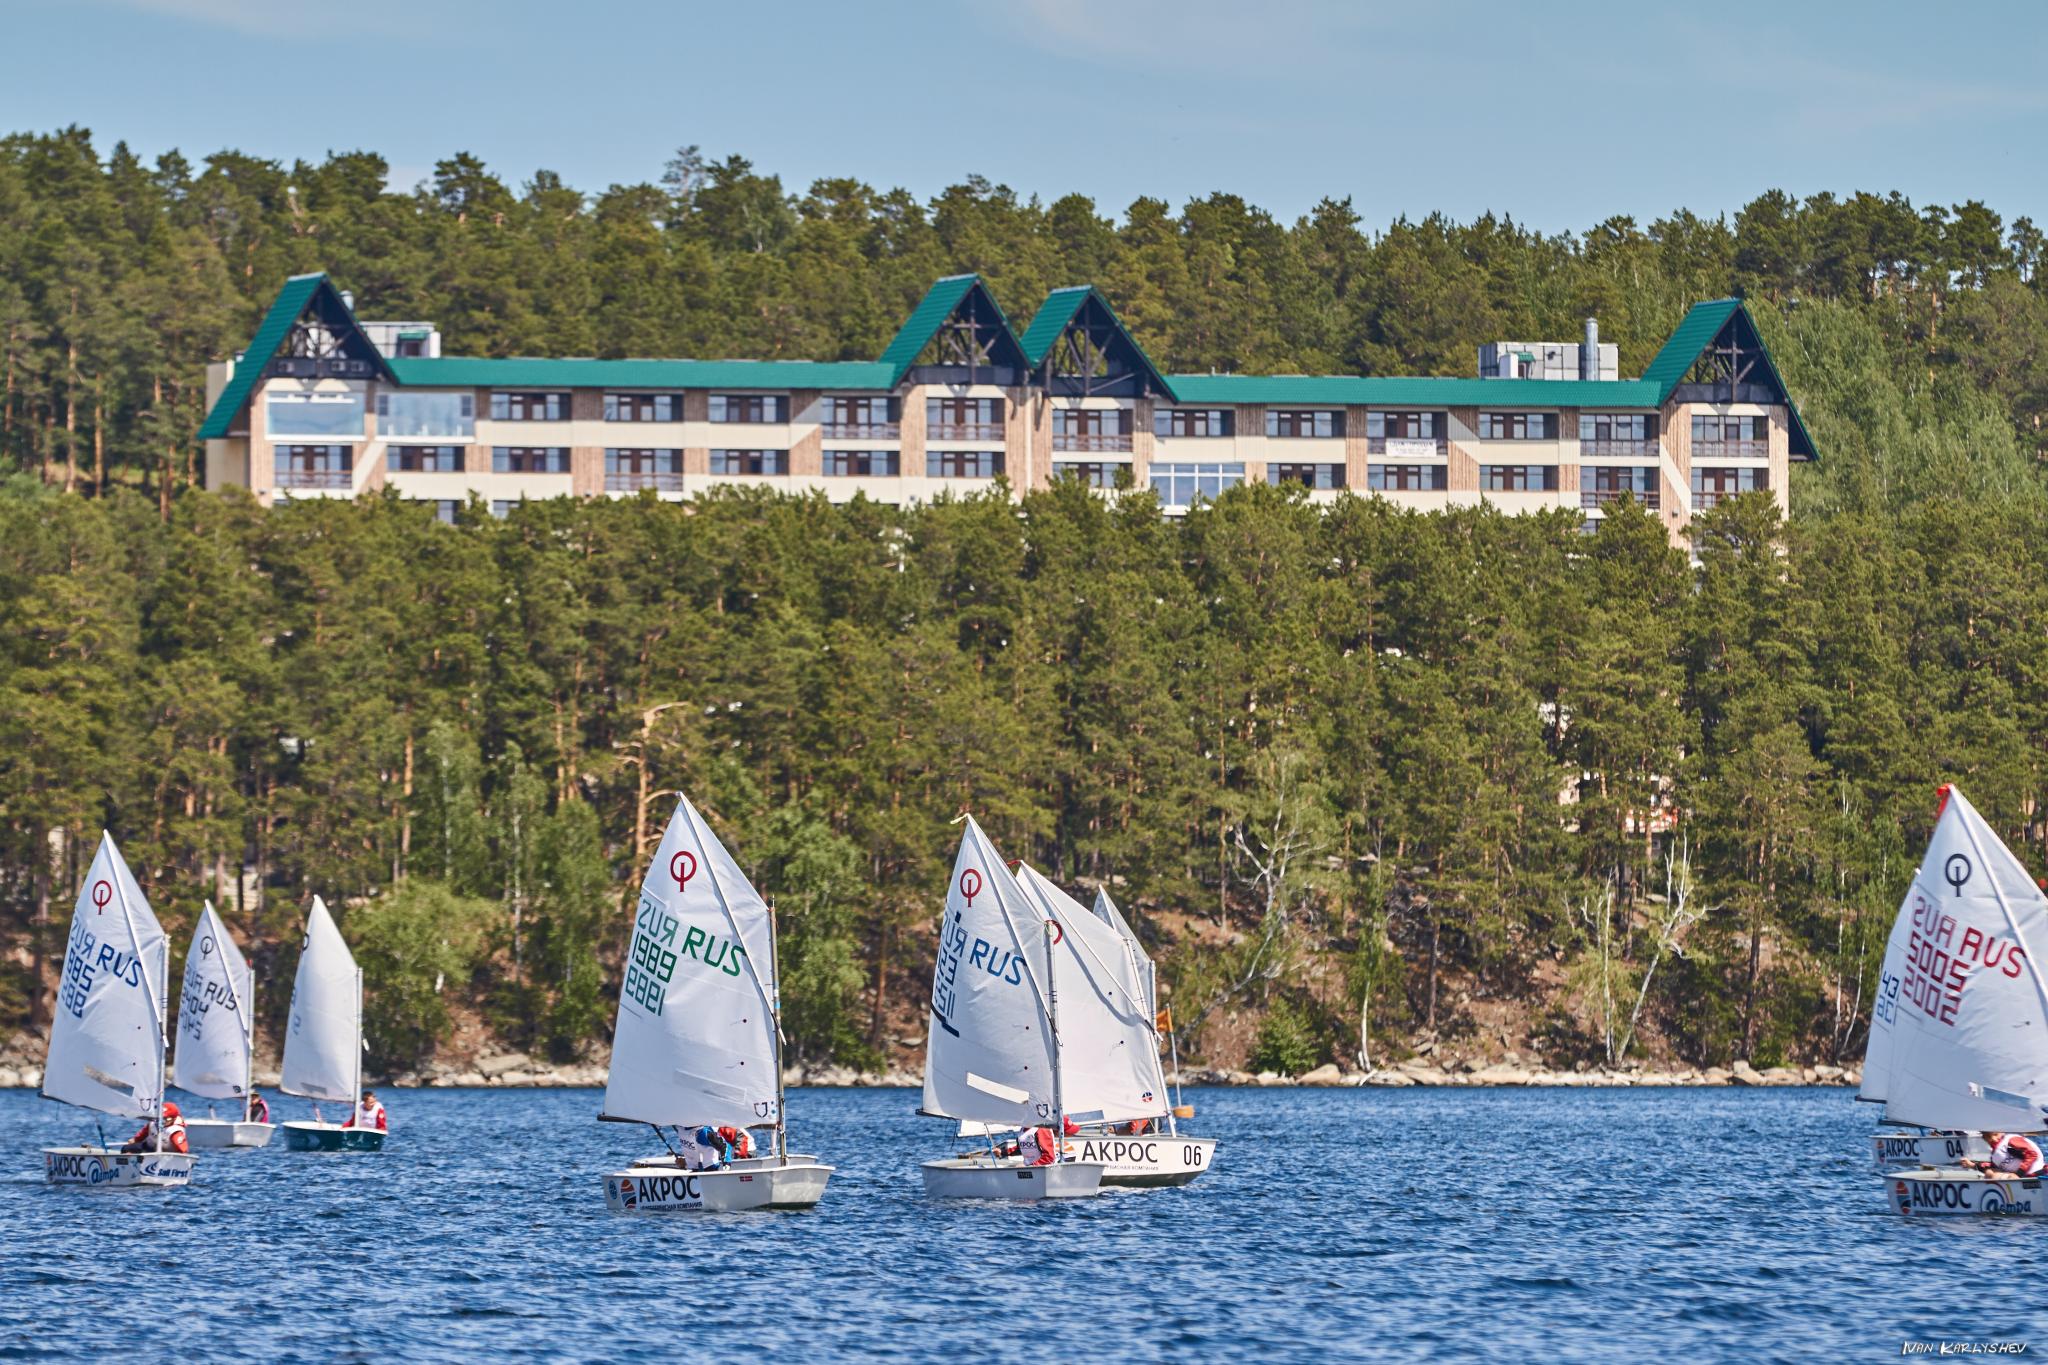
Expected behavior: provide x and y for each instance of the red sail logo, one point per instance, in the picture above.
(682, 867)
(970, 885)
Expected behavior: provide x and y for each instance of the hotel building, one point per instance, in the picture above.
(323, 405)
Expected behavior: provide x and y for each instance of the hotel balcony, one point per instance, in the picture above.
(1591, 498)
(661, 481)
(1406, 446)
(1731, 450)
(1094, 443)
(1647, 448)
(314, 478)
(861, 431)
(964, 431)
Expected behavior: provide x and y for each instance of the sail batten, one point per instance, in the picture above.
(215, 1028)
(106, 1037)
(694, 1041)
(1966, 1023)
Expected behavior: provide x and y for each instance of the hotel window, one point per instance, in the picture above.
(529, 407)
(423, 459)
(749, 408)
(1178, 485)
(1713, 434)
(445, 509)
(862, 464)
(313, 466)
(1518, 478)
(1303, 422)
(1314, 475)
(529, 459)
(1407, 478)
(629, 470)
(1602, 484)
(963, 464)
(1404, 426)
(414, 414)
(750, 462)
(963, 419)
(1517, 426)
(1091, 429)
(869, 418)
(1630, 429)
(1193, 422)
(1094, 473)
(502, 507)
(1711, 486)
(642, 407)
(314, 414)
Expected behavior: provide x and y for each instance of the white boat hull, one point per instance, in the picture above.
(757, 1183)
(1153, 1159)
(305, 1136)
(103, 1168)
(1910, 1150)
(999, 1178)
(215, 1134)
(1963, 1192)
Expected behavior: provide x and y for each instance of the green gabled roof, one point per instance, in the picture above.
(940, 303)
(542, 373)
(1416, 391)
(1701, 324)
(1058, 312)
(291, 301)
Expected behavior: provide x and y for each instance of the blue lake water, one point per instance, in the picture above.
(1335, 1224)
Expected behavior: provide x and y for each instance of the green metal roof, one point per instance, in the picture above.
(940, 302)
(1058, 311)
(1701, 324)
(1404, 391)
(541, 373)
(291, 301)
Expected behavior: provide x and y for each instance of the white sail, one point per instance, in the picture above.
(1106, 911)
(1969, 1026)
(107, 1036)
(1109, 1056)
(988, 1054)
(323, 1043)
(695, 1038)
(215, 1030)
(1877, 1053)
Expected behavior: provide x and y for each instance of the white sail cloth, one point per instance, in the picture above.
(107, 1037)
(988, 1054)
(1109, 1057)
(1968, 1045)
(1877, 1053)
(695, 1039)
(1141, 962)
(323, 1043)
(214, 1024)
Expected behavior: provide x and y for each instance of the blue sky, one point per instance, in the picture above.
(1558, 113)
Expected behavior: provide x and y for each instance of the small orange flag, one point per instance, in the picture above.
(1165, 1021)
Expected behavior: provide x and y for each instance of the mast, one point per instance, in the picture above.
(1052, 1010)
(156, 999)
(781, 1108)
(356, 1100)
(249, 1052)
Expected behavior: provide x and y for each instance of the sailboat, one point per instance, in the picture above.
(992, 1054)
(1968, 1019)
(107, 1037)
(323, 1043)
(1119, 1040)
(216, 1035)
(699, 1034)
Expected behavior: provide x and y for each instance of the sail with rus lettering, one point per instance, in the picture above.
(989, 1054)
(1109, 1056)
(695, 1041)
(1968, 1022)
(107, 1035)
(323, 1047)
(214, 1025)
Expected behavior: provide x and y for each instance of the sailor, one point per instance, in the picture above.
(2011, 1154)
(703, 1150)
(1038, 1147)
(368, 1114)
(174, 1133)
(737, 1142)
(259, 1108)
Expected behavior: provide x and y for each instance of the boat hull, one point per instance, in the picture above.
(1148, 1161)
(103, 1168)
(1896, 1151)
(985, 1178)
(756, 1184)
(218, 1134)
(1965, 1193)
(331, 1137)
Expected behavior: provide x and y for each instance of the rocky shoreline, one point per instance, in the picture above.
(517, 1071)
